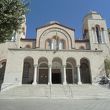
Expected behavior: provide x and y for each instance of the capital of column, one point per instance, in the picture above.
(64, 66)
(35, 65)
(50, 66)
(78, 66)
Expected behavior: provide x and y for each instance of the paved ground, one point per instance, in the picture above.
(54, 104)
(55, 97)
(56, 92)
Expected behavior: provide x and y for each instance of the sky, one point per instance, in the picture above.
(67, 12)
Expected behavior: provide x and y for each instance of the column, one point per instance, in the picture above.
(93, 36)
(64, 75)
(96, 40)
(35, 75)
(50, 75)
(79, 75)
(52, 44)
(73, 75)
(105, 36)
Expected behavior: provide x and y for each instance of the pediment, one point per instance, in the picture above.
(57, 24)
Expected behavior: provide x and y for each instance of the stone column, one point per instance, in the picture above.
(35, 75)
(93, 35)
(52, 44)
(64, 75)
(79, 75)
(96, 40)
(73, 75)
(102, 39)
(105, 36)
(50, 75)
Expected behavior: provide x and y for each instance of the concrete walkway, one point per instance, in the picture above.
(56, 92)
(54, 104)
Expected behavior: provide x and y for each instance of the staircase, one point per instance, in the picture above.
(85, 91)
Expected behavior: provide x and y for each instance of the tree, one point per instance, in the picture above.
(11, 17)
(107, 67)
(109, 32)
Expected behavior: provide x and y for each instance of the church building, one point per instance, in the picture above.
(55, 56)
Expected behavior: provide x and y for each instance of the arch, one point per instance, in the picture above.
(72, 61)
(57, 59)
(57, 70)
(56, 62)
(60, 30)
(2, 70)
(43, 70)
(42, 59)
(85, 70)
(28, 70)
(71, 74)
(43, 64)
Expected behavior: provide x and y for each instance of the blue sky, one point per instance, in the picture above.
(67, 12)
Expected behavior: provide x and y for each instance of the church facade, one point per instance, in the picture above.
(55, 56)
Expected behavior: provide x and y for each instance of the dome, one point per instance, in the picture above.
(52, 22)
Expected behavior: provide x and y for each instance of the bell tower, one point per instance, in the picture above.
(95, 30)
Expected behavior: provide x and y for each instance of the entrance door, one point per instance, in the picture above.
(56, 78)
(69, 76)
(43, 76)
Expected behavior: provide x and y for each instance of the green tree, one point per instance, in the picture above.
(107, 67)
(11, 17)
(109, 33)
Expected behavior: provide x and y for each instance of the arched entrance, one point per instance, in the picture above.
(43, 71)
(2, 70)
(71, 75)
(56, 71)
(85, 71)
(28, 71)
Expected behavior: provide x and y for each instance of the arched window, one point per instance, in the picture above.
(85, 70)
(94, 39)
(102, 35)
(55, 42)
(98, 34)
(43, 70)
(48, 44)
(85, 34)
(61, 44)
(28, 71)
